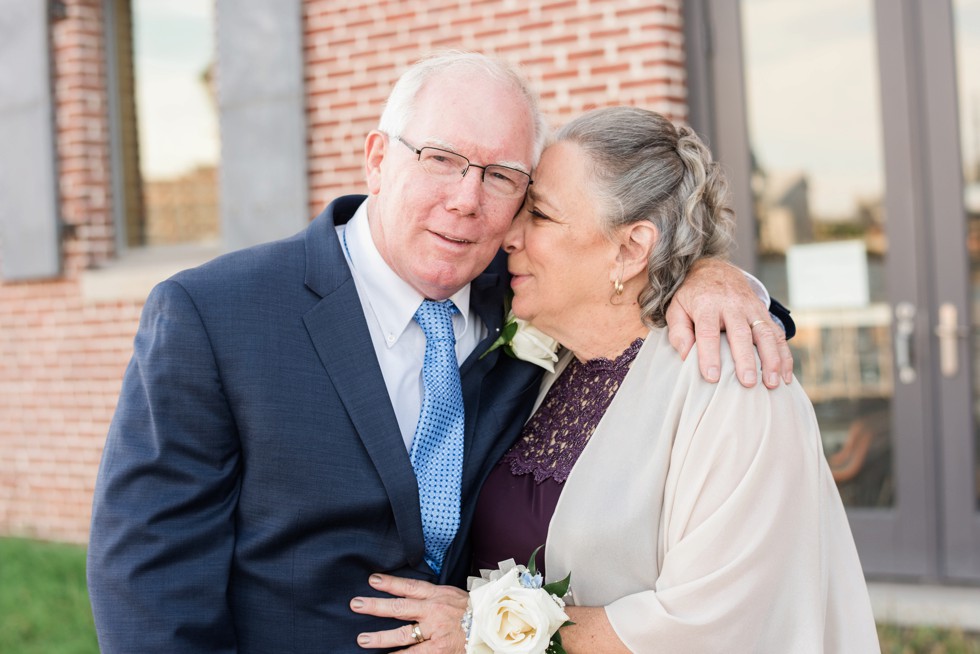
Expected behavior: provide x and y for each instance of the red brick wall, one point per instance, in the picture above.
(62, 357)
(61, 362)
(579, 54)
(83, 135)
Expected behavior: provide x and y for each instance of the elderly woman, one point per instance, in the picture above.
(705, 520)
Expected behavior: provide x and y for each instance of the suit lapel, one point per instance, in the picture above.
(487, 300)
(341, 338)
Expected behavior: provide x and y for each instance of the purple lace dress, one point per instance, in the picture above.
(519, 497)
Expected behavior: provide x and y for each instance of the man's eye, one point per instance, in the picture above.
(537, 215)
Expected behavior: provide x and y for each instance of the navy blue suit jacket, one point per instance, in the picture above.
(254, 474)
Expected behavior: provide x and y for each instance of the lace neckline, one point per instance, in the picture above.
(623, 361)
(555, 436)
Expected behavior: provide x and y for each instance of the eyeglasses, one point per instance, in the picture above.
(502, 181)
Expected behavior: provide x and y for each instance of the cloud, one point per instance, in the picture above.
(177, 123)
(166, 9)
(814, 103)
(173, 46)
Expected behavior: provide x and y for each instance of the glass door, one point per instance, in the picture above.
(951, 68)
(842, 125)
(822, 230)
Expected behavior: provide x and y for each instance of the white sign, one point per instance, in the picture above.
(828, 275)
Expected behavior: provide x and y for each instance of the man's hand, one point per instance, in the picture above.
(716, 297)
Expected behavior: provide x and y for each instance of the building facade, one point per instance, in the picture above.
(846, 127)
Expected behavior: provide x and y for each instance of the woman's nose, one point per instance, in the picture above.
(514, 238)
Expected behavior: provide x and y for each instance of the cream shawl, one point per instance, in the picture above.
(705, 519)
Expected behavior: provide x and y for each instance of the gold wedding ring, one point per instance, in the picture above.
(417, 633)
(756, 322)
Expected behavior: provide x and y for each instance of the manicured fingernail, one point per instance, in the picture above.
(374, 580)
(749, 377)
(363, 639)
(713, 373)
(357, 603)
(773, 379)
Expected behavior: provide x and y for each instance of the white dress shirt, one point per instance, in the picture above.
(389, 303)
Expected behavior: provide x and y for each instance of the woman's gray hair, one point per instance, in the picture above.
(400, 107)
(645, 168)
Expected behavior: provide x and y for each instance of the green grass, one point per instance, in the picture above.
(926, 640)
(44, 607)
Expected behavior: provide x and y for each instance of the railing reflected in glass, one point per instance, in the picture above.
(817, 180)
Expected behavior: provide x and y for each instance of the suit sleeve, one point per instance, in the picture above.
(163, 514)
(781, 315)
(778, 312)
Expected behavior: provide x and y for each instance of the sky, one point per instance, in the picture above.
(968, 73)
(814, 102)
(173, 46)
(813, 97)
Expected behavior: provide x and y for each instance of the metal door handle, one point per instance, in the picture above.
(904, 329)
(949, 332)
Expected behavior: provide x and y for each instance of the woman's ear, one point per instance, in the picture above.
(638, 241)
(375, 146)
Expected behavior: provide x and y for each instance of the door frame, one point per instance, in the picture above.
(923, 536)
(950, 267)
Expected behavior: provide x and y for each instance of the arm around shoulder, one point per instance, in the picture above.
(717, 297)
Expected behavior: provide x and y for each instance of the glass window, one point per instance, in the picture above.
(818, 179)
(967, 26)
(169, 146)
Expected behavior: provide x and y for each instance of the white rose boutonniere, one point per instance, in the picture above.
(512, 612)
(522, 340)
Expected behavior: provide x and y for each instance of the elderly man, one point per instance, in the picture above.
(292, 420)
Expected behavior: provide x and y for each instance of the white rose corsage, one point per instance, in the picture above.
(512, 612)
(522, 340)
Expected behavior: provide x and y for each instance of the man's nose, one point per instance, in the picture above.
(467, 192)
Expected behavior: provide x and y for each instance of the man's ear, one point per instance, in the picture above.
(375, 146)
(638, 240)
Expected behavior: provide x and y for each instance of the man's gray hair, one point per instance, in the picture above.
(400, 107)
(644, 168)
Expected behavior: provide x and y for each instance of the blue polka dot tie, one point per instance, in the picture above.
(437, 449)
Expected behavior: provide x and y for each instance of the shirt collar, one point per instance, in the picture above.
(392, 300)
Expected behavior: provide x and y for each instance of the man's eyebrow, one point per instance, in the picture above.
(514, 164)
(444, 145)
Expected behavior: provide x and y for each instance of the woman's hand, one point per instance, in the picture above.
(437, 610)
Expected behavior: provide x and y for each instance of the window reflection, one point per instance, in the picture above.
(818, 181)
(168, 115)
(967, 26)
